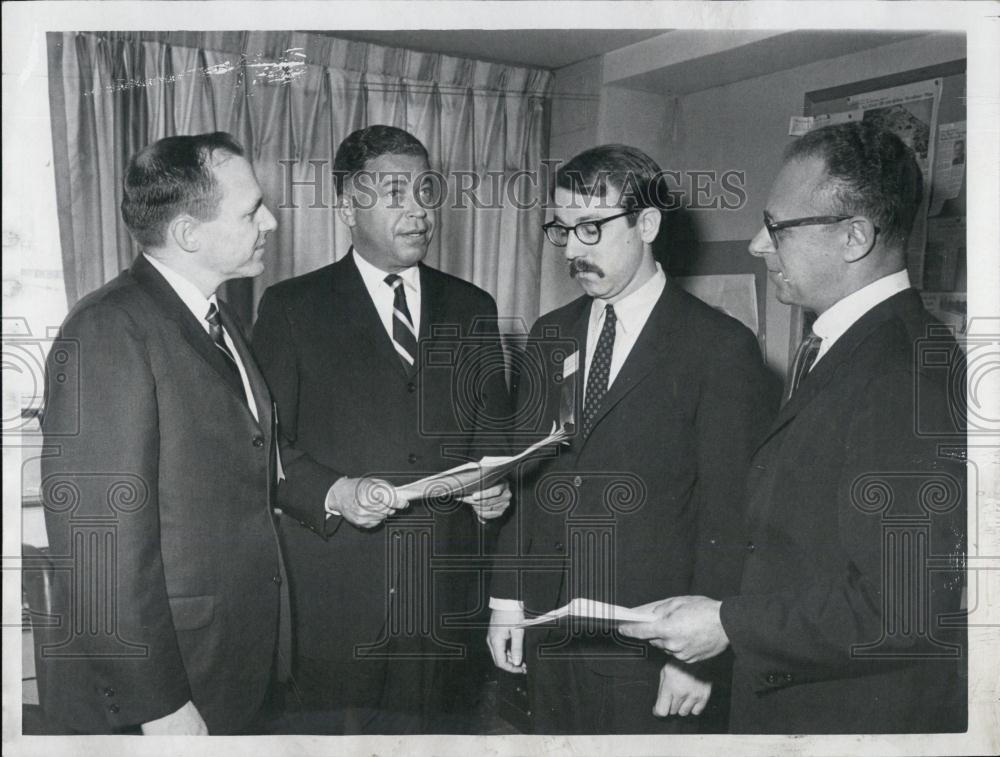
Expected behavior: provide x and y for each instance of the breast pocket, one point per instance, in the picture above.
(190, 613)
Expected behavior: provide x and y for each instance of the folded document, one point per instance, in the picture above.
(590, 608)
(473, 476)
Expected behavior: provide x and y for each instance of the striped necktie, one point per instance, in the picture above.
(805, 356)
(600, 370)
(404, 336)
(215, 331)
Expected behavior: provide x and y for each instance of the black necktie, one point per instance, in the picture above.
(215, 331)
(600, 370)
(404, 336)
(805, 356)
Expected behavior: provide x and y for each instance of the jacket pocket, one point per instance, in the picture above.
(191, 612)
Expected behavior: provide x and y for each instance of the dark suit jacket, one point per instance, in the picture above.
(157, 489)
(348, 408)
(849, 479)
(650, 504)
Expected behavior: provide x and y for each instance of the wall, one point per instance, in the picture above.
(576, 103)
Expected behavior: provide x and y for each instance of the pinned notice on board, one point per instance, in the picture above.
(799, 125)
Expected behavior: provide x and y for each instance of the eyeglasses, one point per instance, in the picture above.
(773, 227)
(588, 232)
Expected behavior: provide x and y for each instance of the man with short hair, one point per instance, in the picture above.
(849, 615)
(666, 397)
(384, 370)
(163, 455)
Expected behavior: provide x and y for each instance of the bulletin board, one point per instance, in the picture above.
(926, 108)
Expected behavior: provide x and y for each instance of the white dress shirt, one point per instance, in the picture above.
(835, 321)
(198, 304)
(632, 313)
(384, 295)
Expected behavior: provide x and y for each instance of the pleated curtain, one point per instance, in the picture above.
(290, 98)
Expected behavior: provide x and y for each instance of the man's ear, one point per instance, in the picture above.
(860, 239)
(345, 209)
(184, 231)
(649, 224)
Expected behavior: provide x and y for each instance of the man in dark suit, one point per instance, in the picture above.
(667, 397)
(383, 370)
(848, 618)
(162, 450)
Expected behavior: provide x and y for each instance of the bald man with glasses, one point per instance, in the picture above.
(849, 617)
(665, 398)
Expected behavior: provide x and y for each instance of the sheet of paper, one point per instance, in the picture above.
(474, 475)
(591, 608)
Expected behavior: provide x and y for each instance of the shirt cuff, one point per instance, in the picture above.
(330, 505)
(506, 604)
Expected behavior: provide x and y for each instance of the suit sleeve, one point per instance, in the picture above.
(100, 483)
(302, 493)
(816, 632)
(738, 401)
(737, 404)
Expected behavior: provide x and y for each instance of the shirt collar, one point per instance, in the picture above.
(375, 277)
(633, 311)
(190, 294)
(835, 321)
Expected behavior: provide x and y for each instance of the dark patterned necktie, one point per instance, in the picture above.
(215, 331)
(600, 370)
(404, 336)
(805, 356)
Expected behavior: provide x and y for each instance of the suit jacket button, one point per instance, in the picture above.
(788, 677)
(577, 481)
(411, 387)
(113, 709)
(258, 441)
(412, 458)
(276, 579)
(751, 546)
(109, 692)
(772, 678)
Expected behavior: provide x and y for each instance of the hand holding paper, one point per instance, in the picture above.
(689, 628)
(366, 502)
(489, 503)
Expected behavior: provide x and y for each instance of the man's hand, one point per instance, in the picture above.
(490, 503)
(506, 643)
(184, 722)
(366, 502)
(689, 628)
(681, 692)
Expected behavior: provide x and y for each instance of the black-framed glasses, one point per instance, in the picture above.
(588, 232)
(773, 227)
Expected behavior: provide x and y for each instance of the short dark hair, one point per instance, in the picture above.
(628, 170)
(872, 171)
(369, 143)
(169, 177)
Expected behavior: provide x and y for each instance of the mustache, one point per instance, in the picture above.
(579, 266)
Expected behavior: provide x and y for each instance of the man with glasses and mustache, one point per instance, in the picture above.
(665, 398)
(856, 516)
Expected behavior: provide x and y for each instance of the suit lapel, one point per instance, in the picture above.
(646, 354)
(191, 330)
(838, 357)
(356, 309)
